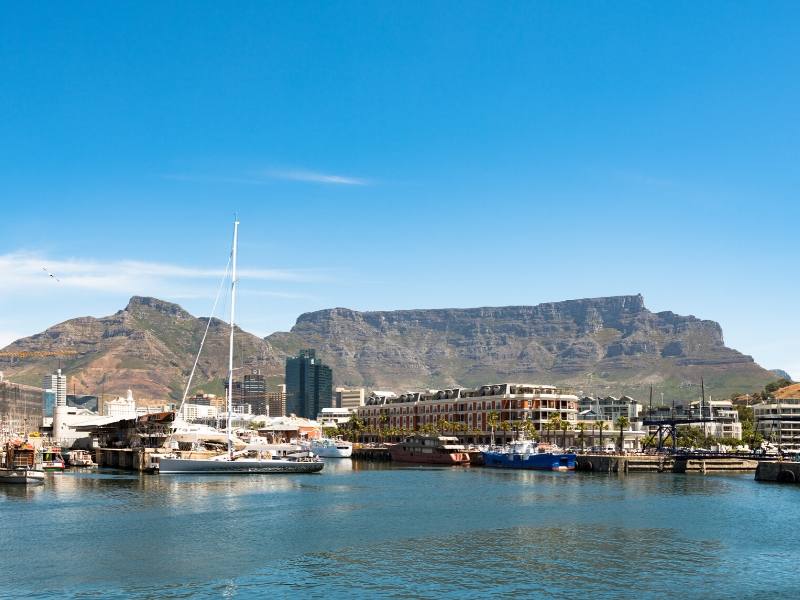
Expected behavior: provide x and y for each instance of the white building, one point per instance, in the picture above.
(120, 408)
(778, 420)
(725, 418)
(334, 417)
(193, 412)
(58, 384)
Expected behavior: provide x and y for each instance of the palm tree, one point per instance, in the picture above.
(529, 429)
(581, 427)
(601, 425)
(555, 423)
(565, 426)
(623, 423)
(505, 426)
(492, 420)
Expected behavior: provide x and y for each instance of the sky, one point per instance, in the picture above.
(385, 155)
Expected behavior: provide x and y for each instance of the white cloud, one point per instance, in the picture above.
(23, 272)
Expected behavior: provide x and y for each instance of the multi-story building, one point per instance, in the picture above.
(20, 407)
(198, 412)
(334, 417)
(609, 408)
(58, 384)
(471, 408)
(309, 384)
(724, 418)
(349, 398)
(778, 421)
(276, 402)
(252, 390)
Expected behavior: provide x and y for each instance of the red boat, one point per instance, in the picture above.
(430, 449)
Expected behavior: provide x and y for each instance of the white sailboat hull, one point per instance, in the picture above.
(332, 451)
(241, 466)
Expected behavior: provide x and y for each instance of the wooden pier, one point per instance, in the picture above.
(376, 454)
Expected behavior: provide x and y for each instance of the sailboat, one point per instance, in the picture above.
(231, 461)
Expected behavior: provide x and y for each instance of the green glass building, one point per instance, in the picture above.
(309, 385)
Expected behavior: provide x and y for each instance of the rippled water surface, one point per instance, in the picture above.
(359, 530)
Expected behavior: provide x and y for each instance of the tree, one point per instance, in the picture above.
(581, 428)
(601, 426)
(554, 422)
(623, 423)
(505, 426)
(565, 426)
(528, 428)
(492, 420)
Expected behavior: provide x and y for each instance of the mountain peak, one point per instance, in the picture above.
(138, 305)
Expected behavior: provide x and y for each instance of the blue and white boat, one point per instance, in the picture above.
(527, 454)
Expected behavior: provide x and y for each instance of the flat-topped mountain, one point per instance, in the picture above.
(613, 344)
(599, 345)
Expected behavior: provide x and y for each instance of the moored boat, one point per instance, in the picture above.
(51, 458)
(80, 458)
(331, 448)
(430, 449)
(527, 454)
(19, 464)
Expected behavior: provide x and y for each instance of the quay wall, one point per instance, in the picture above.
(778, 471)
(605, 463)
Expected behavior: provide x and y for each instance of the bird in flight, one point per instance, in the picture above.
(50, 274)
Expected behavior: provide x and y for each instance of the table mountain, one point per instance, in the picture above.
(601, 345)
(597, 345)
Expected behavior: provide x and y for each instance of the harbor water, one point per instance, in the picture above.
(379, 530)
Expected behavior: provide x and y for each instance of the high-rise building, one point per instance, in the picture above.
(276, 402)
(309, 385)
(349, 398)
(252, 390)
(58, 384)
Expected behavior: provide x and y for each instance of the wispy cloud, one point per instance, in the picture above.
(314, 177)
(266, 176)
(22, 272)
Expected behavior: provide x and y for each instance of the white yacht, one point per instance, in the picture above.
(331, 448)
(244, 461)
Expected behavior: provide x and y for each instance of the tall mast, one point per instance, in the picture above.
(230, 345)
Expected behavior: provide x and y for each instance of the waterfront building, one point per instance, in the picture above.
(725, 417)
(596, 410)
(349, 398)
(58, 383)
(467, 410)
(286, 429)
(334, 417)
(48, 403)
(20, 407)
(201, 399)
(309, 384)
(778, 420)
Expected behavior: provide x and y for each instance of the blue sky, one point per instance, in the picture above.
(403, 155)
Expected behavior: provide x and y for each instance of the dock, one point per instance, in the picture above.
(778, 471)
(373, 454)
(663, 463)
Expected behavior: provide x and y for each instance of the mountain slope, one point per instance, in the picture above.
(596, 345)
(149, 347)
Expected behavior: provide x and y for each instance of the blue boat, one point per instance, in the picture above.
(526, 454)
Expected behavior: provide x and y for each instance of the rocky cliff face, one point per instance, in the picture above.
(149, 347)
(596, 345)
(599, 345)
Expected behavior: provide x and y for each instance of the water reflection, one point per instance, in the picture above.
(373, 529)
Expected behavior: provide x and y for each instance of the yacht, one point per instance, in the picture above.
(244, 461)
(331, 448)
